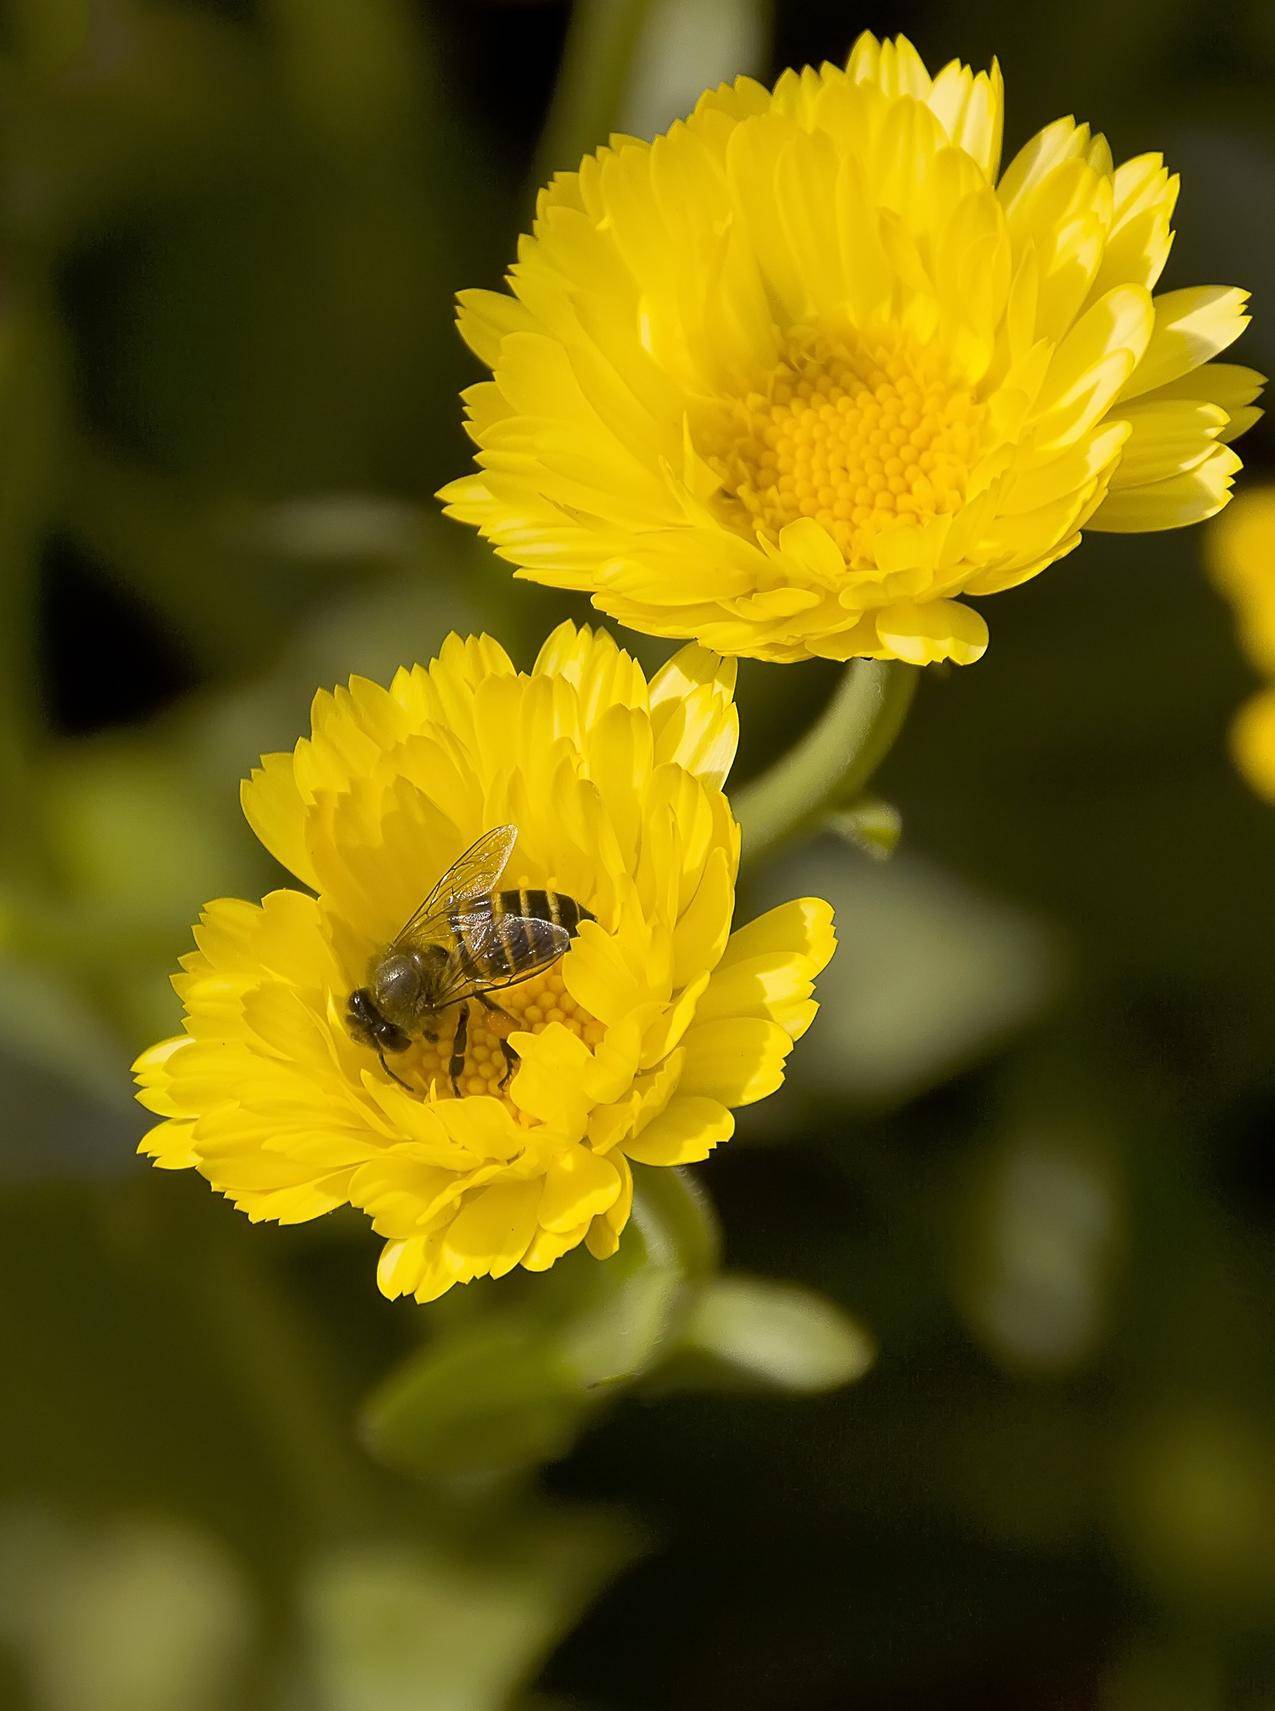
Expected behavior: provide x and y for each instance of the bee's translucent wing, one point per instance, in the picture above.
(471, 878)
(500, 951)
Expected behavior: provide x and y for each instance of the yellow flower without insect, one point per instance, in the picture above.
(798, 373)
(631, 1047)
(1242, 556)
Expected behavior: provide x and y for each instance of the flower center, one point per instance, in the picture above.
(485, 1065)
(858, 433)
(526, 1008)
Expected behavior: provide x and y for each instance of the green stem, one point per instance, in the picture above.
(676, 1221)
(833, 762)
(596, 65)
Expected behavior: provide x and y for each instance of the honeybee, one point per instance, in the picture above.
(466, 941)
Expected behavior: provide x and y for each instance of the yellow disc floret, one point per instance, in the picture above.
(855, 434)
(527, 1008)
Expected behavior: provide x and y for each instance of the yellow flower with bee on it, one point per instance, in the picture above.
(1241, 551)
(802, 373)
(577, 793)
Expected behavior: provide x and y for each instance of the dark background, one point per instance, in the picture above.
(1026, 1145)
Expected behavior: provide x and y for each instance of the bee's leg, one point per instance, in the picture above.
(511, 1056)
(380, 1052)
(512, 1060)
(460, 1044)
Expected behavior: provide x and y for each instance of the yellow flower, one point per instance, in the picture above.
(798, 373)
(1242, 557)
(1253, 742)
(632, 1048)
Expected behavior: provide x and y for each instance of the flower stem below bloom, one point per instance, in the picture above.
(832, 763)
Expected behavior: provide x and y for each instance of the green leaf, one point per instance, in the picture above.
(933, 974)
(506, 1389)
(403, 1627)
(1039, 1231)
(131, 1614)
(492, 1397)
(779, 1335)
(641, 1295)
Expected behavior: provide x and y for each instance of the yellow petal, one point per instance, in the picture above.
(274, 809)
(704, 926)
(603, 1238)
(550, 1081)
(971, 110)
(415, 1267)
(693, 714)
(776, 978)
(1092, 364)
(169, 1145)
(1172, 504)
(685, 1132)
(893, 67)
(1227, 384)
(734, 1061)
(600, 977)
(577, 1187)
(1168, 438)
(923, 633)
(485, 317)
(1190, 327)
(803, 927)
(781, 993)
(492, 1231)
(548, 1246)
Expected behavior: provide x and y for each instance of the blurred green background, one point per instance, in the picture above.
(1023, 1157)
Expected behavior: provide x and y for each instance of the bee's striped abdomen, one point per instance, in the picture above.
(500, 954)
(540, 905)
(474, 955)
(512, 907)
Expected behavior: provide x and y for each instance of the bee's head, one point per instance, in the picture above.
(361, 1016)
(369, 1027)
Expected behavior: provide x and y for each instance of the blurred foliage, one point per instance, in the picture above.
(1019, 1185)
